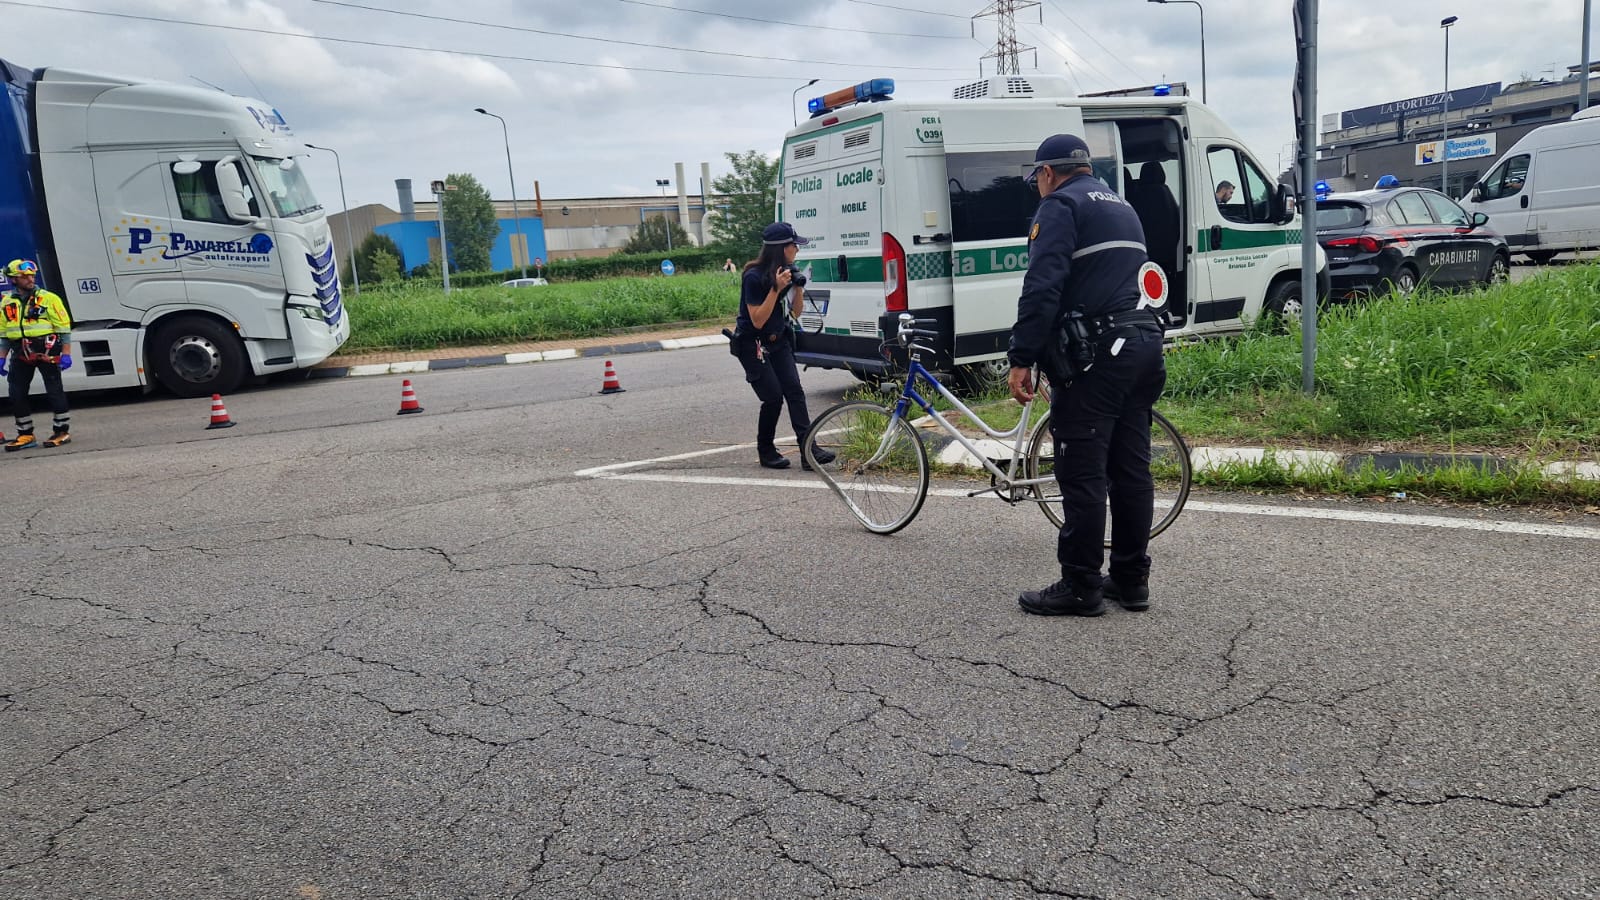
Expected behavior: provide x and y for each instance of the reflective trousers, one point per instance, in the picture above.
(1101, 426)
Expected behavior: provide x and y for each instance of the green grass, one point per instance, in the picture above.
(1512, 366)
(418, 318)
(1463, 482)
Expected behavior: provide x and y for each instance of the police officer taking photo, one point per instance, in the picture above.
(1082, 319)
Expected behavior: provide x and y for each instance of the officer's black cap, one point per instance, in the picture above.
(1060, 150)
(780, 233)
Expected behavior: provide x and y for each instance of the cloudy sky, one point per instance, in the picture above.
(602, 97)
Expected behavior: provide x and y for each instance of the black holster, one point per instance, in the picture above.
(1074, 346)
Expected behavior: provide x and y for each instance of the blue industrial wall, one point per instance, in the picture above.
(413, 238)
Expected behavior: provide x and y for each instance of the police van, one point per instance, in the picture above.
(922, 207)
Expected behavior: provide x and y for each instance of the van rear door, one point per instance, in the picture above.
(832, 192)
(988, 154)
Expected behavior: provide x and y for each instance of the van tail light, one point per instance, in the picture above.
(1364, 243)
(896, 296)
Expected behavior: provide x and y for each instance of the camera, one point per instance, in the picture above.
(797, 278)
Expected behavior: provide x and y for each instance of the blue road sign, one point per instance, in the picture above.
(667, 268)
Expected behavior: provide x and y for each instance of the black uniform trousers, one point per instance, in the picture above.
(19, 378)
(1101, 426)
(776, 381)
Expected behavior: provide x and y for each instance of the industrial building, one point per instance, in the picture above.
(568, 228)
(1405, 138)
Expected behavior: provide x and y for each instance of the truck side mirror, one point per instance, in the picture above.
(231, 186)
(1478, 193)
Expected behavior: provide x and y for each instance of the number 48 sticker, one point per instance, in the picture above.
(88, 285)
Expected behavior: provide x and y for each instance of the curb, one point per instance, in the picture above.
(413, 367)
(947, 451)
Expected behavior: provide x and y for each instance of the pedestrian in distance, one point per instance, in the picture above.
(771, 297)
(1082, 318)
(37, 338)
(729, 267)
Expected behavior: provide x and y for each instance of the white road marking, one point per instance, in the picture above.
(618, 472)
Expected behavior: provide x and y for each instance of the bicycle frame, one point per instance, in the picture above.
(1005, 479)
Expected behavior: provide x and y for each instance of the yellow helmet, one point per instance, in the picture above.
(21, 267)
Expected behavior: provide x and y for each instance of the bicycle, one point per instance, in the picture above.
(880, 464)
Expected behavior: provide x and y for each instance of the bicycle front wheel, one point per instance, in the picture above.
(878, 467)
(1170, 467)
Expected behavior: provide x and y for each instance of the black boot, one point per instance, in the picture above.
(1132, 594)
(1062, 599)
(771, 458)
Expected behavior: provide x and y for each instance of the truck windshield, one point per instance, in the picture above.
(291, 194)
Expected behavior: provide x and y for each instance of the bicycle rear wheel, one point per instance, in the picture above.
(879, 466)
(1169, 466)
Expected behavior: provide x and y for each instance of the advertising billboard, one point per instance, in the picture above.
(1426, 105)
(1472, 147)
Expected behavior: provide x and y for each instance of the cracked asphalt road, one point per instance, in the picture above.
(335, 654)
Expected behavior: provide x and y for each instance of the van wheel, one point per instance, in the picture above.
(1282, 305)
(194, 356)
(982, 378)
(1541, 256)
(1499, 270)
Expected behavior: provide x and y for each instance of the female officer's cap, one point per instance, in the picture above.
(780, 233)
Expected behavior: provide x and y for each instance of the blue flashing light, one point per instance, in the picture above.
(1323, 189)
(1163, 90)
(865, 92)
(1388, 181)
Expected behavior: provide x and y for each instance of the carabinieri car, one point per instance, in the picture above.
(1397, 238)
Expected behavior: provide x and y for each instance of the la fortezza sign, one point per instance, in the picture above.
(1425, 105)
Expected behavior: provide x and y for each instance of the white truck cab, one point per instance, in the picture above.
(176, 224)
(922, 207)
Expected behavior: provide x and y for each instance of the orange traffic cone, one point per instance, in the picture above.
(612, 385)
(408, 399)
(219, 414)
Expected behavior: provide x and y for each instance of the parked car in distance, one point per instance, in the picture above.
(523, 282)
(1397, 238)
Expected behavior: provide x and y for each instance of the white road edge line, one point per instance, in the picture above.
(617, 472)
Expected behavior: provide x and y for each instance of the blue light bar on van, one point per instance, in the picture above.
(866, 91)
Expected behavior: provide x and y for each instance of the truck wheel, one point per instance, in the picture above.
(194, 356)
(1541, 256)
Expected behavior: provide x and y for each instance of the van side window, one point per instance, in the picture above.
(199, 198)
(1241, 192)
(1507, 178)
(989, 200)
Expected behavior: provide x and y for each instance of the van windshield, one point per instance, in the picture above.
(290, 192)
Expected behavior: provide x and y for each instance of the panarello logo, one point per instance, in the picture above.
(270, 120)
(180, 245)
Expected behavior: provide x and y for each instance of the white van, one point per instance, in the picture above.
(1544, 193)
(921, 207)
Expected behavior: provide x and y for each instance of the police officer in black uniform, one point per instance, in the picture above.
(1085, 249)
(771, 296)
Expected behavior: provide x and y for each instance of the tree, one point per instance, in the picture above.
(470, 224)
(651, 237)
(745, 201)
(385, 267)
(366, 254)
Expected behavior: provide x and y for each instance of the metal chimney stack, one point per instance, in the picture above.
(408, 207)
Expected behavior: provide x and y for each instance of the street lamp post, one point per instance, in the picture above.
(515, 212)
(348, 239)
(1583, 89)
(1202, 42)
(439, 187)
(1444, 137)
(794, 97)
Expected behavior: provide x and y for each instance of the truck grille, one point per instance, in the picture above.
(326, 276)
